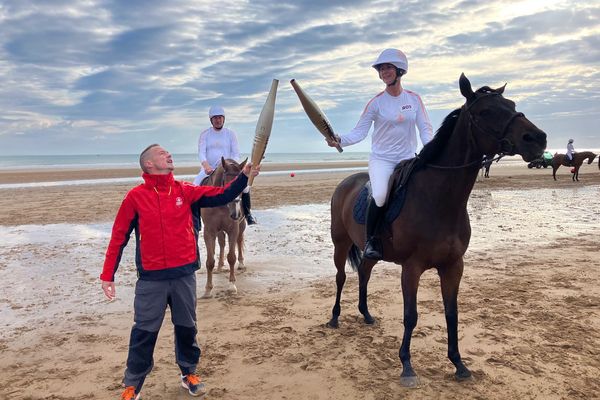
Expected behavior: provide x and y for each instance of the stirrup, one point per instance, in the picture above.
(373, 249)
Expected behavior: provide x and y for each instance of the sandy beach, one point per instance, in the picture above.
(529, 302)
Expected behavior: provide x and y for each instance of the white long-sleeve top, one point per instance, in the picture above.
(213, 144)
(570, 149)
(394, 137)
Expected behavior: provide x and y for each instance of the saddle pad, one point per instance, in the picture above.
(394, 205)
(400, 177)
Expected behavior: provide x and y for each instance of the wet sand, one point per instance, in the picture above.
(529, 301)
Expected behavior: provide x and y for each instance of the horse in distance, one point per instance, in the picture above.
(578, 159)
(433, 228)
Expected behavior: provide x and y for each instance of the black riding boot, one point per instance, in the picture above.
(246, 207)
(373, 247)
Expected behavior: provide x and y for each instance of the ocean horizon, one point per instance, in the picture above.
(74, 161)
(181, 159)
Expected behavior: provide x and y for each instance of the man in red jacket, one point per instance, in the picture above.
(159, 211)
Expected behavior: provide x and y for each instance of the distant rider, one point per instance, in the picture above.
(570, 151)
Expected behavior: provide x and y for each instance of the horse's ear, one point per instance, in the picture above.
(243, 164)
(465, 87)
(500, 90)
(223, 163)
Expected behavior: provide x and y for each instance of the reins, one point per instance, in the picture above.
(505, 146)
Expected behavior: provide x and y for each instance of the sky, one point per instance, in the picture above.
(112, 76)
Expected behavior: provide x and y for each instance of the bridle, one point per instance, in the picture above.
(505, 146)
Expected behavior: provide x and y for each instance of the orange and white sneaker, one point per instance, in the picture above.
(192, 383)
(130, 394)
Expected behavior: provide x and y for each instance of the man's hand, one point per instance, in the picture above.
(249, 169)
(109, 290)
(208, 170)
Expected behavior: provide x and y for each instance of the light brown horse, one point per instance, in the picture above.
(433, 229)
(224, 221)
(578, 159)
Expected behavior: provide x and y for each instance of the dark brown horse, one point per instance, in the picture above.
(224, 221)
(433, 229)
(578, 159)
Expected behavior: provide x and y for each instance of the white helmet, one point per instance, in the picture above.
(394, 57)
(216, 110)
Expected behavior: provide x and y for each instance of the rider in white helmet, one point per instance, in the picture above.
(570, 150)
(395, 114)
(214, 143)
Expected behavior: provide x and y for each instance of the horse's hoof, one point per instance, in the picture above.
(232, 289)
(207, 295)
(369, 320)
(333, 324)
(241, 268)
(410, 381)
(463, 375)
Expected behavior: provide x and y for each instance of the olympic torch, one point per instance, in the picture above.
(263, 128)
(317, 117)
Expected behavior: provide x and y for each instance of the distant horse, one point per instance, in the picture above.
(220, 221)
(578, 159)
(433, 229)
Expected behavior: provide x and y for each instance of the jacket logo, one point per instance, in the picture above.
(406, 107)
(179, 202)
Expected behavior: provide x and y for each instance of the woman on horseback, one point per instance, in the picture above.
(570, 151)
(395, 112)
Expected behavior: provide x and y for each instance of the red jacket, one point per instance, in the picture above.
(159, 211)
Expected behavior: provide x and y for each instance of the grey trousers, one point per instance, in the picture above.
(150, 303)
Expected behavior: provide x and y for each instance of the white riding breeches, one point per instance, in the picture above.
(380, 172)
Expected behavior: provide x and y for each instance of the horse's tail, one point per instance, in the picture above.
(355, 257)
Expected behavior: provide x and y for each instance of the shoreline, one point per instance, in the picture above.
(98, 202)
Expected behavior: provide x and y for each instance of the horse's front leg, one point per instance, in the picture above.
(221, 240)
(240, 247)
(209, 242)
(340, 255)
(576, 175)
(411, 274)
(364, 274)
(450, 277)
(231, 257)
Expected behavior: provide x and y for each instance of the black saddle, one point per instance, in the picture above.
(400, 178)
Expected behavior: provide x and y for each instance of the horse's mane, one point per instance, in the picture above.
(432, 150)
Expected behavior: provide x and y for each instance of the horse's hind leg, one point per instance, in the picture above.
(364, 274)
(554, 172)
(450, 281)
(340, 255)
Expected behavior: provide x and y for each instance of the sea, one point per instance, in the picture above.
(75, 161)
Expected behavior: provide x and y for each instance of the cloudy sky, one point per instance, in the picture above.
(111, 76)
